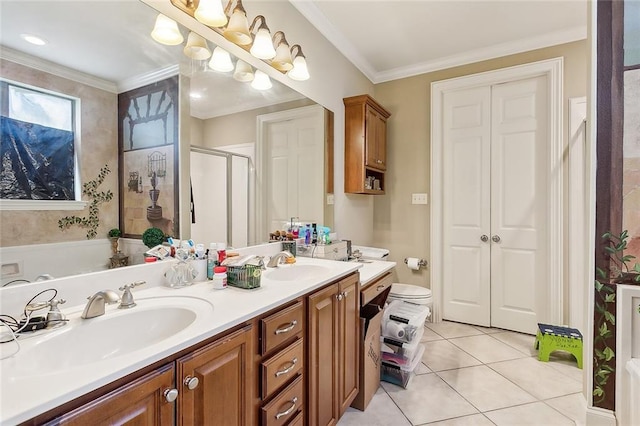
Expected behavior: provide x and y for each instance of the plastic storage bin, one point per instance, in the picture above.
(404, 321)
(398, 352)
(400, 374)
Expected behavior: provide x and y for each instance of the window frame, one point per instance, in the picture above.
(76, 203)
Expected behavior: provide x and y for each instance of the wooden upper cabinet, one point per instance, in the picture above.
(222, 394)
(141, 402)
(365, 145)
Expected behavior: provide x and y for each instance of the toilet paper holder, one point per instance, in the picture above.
(421, 263)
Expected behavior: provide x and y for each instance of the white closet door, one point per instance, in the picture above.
(466, 197)
(495, 204)
(519, 194)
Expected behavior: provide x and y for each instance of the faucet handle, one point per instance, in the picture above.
(132, 285)
(127, 298)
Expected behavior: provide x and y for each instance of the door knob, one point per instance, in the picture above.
(484, 238)
(495, 238)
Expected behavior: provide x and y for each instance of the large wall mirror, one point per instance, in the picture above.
(242, 188)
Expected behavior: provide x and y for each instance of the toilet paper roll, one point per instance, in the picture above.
(413, 263)
(394, 330)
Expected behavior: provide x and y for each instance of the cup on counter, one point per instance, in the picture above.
(200, 266)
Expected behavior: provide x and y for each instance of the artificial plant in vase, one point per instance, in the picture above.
(152, 237)
(114, 235)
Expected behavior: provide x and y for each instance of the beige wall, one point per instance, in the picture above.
(401, 227)
(99, 147)
(239, 128)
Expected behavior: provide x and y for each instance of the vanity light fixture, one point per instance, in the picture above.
(33, 39)
(210, 12)
(237, 30)
(221, 60)
(275, 52)
(261, 81)
(262, 45)
(243, 72)
(197, 47)
(299, 71)
(282, 60)
(166, 31)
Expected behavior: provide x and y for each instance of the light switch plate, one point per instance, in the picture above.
(330, 199)
(419, 198)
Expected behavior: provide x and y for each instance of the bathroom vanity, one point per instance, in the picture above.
(255, 356)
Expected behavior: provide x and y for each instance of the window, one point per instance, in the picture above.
(39, 141)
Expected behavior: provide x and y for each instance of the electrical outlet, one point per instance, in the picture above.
(419, 198)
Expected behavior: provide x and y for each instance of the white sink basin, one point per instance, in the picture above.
(295, 272)
(119, 332)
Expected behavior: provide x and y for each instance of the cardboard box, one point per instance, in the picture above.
(370, 319)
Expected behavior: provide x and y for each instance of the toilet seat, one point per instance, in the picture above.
(408, 291)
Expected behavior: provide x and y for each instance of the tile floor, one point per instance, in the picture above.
(479, 376)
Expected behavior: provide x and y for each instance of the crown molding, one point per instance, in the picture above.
(318, 19)
(147, 78)
(8, 54)
(491, 52)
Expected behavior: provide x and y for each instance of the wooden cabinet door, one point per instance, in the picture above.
(323, 357)
(375, 139)
(224, 371)
(349, 341)
(138, 403)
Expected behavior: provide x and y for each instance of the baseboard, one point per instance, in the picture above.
(600, 417)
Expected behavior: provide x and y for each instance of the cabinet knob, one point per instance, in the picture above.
(340, 296)
(484, 238)
(495, 238)
(289, 410)
(191, 382)
(170, 394)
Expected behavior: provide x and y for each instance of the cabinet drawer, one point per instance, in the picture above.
(285, 406)
(281, 367)
(374, 289)
(298, 420)
(281, 326)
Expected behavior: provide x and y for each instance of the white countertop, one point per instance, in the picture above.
(23, 396)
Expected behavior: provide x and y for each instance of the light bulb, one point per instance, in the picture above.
(221, 60)
(262, 46)
(166, 31)
(261, 81)
(210, 12)
(299, 71)
(243, 72)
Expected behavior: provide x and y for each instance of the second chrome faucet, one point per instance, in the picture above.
(96, 305)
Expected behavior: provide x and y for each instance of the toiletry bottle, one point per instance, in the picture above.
(307, 235)
(222, 252)
(212, 258)
(220, 278)
(320, 238)
(314, 233)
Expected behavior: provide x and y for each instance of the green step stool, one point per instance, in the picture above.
(550, 338)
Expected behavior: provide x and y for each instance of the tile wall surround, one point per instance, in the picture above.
(99, 147)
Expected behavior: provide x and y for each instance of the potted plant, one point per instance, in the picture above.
(153, 237)
(114, 235)
(620, 270)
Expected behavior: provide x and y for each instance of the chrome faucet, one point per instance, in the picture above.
(96, 303)
(277, 258)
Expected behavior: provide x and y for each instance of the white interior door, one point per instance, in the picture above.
(519, 185)
(466, 200)
(294, 169)
(495, 239)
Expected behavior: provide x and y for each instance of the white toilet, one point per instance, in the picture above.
(412, 294)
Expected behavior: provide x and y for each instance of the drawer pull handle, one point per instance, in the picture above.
(287, 329)
(288, 411)
(288, 369)
(380, 287)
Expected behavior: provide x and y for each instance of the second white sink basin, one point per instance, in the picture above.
(295, 272)
(118, 332)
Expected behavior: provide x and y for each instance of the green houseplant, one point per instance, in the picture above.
(151, 237)
(619, 270)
